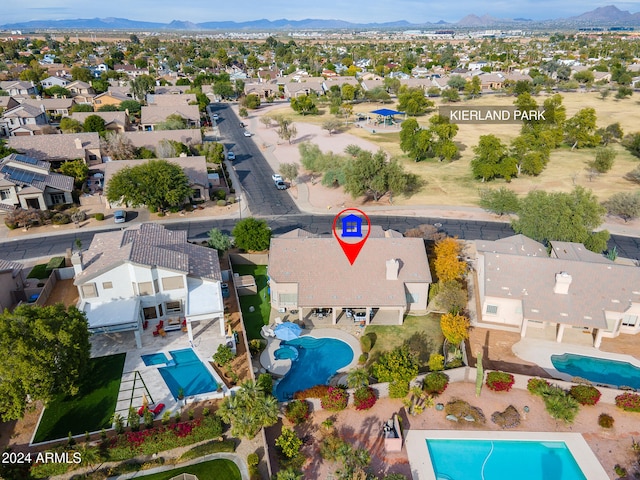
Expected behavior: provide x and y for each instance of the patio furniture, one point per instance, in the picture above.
(157, 409)
(287, 331)
(156, 333)
(162, 333)
(141, 410)
(145, 324)
(160, 325)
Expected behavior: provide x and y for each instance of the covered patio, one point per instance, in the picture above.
(115, 317)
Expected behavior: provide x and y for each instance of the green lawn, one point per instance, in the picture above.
(421, 333)
(89, 411)
(211, 470)
(253, 321)
(40, 272)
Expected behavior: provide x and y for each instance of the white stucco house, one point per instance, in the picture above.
(571, 289)
(145, 274)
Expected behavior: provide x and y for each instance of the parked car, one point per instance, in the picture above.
(360, 317)
(276, 177)
(247, 133)
(216, 116)
(280, 185)
(231, 156)
(242, 125)
(119, 216)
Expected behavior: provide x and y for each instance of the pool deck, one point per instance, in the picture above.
(540, 352)
(279, 368)
(420, 460)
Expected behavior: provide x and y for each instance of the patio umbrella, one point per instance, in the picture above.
(287, 331)
(145, 401)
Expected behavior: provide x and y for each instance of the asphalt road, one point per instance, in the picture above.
(252, 168)
(21, 249)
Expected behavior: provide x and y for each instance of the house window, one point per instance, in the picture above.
(107, 285)
(57, 198)
(5, 194)
(173, 307)
(160, 310)
(630, 320)
(412, 297)
(150, 313)
(491, 310)
(89, 290)
(172, 283)
(145, 288)
(196, 193)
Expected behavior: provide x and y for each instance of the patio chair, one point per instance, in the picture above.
(141, 410)
(162, 333)
(156, 333)
(160, 325)
(157, 409)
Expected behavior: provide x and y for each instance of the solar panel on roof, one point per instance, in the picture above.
(22, 176)
(25, 159)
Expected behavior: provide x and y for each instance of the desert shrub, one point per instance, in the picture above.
(436, 362)
(629, 402)
(220, 195)
(605, 421)
(455, 363)
(366, 342)
(538, 386)
(510, 418)
(398, 389)
(560, 405)
(460, 409)
(362, 359)
(620, 470)
(318, 391)
(585, 394)
(500, 381)
(223, 356)
(221, 203)
(252, 462)
(60, 219)
(256, 346)
(364, 398)
(265, 383)
(297, 411)
(435, 383)
(335, 400)
(99, 216)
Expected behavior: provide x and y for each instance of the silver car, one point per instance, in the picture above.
(119, 216)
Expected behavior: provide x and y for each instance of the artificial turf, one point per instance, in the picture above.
(212, 470)
(253, 321)
(89, 411)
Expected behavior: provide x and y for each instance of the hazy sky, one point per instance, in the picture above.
(364, 11)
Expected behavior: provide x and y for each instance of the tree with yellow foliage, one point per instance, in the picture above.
(447, 264)
(455, 328)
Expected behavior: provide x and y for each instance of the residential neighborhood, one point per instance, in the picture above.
(261, 252)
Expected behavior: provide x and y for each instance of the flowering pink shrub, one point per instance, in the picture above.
(585, 394)
(364, 398)
(629, 402)
(500, 381)
(336, 399)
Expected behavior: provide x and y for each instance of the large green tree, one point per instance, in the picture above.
(158, 184)
(252, 234)
(569, 217)
(412, 101)
(142, 85)
(492, 159)
(45, 351)
(77, 169)
(580, 130)
(94, 123)
(304, 105)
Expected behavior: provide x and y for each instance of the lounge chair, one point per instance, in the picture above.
(267, 332)
(141, 410)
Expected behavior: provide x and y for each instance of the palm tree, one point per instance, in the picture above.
(358, 377)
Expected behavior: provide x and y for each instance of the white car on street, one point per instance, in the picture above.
(276, 177)
(247, 133)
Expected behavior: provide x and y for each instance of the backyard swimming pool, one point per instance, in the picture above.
(154, 359)
(318, 360)
(497, 459)
(598, 370)
(185, 371)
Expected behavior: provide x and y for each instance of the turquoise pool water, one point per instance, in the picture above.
(186, 371)
(598, 370)
(154, 359)
(501, 459)
(318, 360)
(287, 352)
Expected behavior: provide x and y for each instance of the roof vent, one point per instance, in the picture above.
(563, 280)
(78, 143)
(392, 269)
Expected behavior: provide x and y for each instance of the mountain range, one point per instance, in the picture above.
(609, 15)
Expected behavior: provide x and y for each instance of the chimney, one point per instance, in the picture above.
(392, 269)
(76, 261)
(42, 108)
(563, 280)
(78, 143)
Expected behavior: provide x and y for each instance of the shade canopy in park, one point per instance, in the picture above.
(385, 115)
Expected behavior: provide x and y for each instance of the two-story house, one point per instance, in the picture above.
(23, 120)
(17, 88)
(55, 81)
(146, 273)
(28, 183)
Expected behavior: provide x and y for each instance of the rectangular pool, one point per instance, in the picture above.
(473, 455)
(188, 373)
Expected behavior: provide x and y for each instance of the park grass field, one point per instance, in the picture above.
(453, 184)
